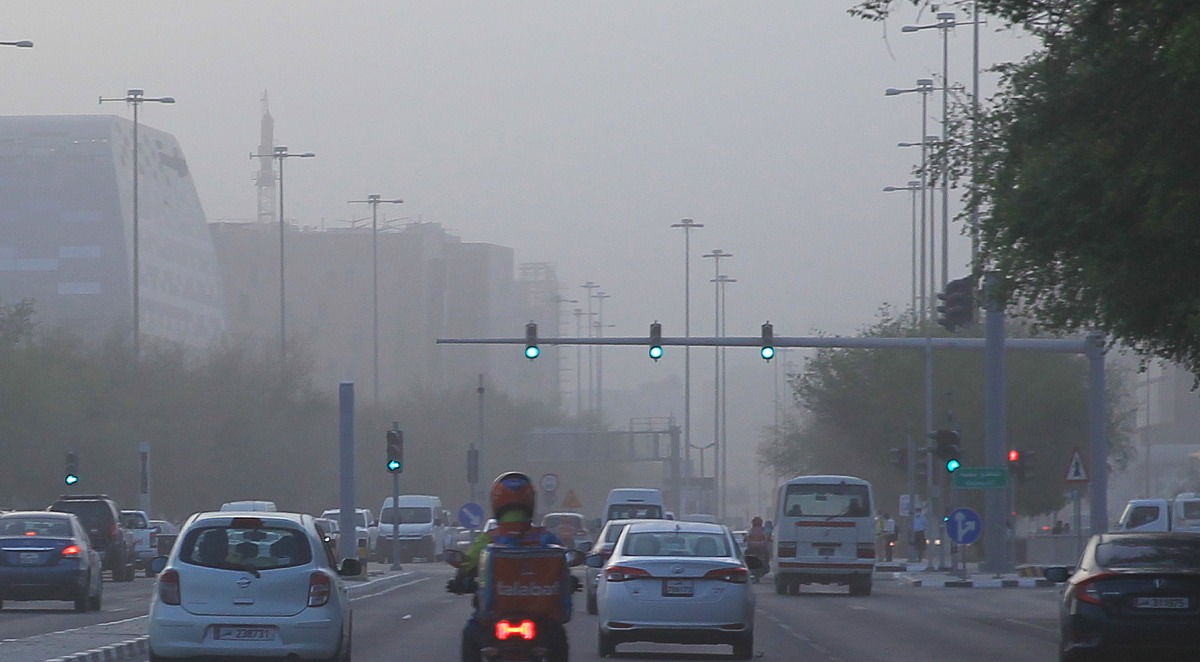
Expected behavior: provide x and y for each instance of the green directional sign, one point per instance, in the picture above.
(981, 478)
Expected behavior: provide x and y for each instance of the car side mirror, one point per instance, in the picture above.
(575, 558)
(454, 557)
(350, 568)
(1057, 573)
(157, 564)
(583, 546)
(374, 522)
(595, 560)
(754, 562)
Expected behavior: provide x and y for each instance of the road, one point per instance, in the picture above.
(416, 619)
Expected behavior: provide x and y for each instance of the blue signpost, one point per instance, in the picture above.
(470, 516)
(964, 526)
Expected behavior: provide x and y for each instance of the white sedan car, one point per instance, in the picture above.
(248, 584)
(675, 582)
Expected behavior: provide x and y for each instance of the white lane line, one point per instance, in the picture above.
(82, 627)
(1030, 625)
(389, 589)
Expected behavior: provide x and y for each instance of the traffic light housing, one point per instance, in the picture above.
(656, 350)
(71, 474)
(958, 304)
(531, 341)
(1018, 464)
(947, 446)
(768, 342)
(395, 451)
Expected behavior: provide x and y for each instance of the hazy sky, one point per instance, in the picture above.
(574, 132)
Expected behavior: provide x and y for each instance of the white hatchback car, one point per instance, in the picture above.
(676, 582)
(250, 584)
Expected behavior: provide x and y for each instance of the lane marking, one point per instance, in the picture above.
(388, 589)
(1030, 625)
(82, 627)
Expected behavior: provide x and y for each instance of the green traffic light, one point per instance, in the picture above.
(393, 465)
(71, 479)
(532, 352)
(656, 352)
(767, 353)
(952, 464)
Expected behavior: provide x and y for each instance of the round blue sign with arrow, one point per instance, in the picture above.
(963, 526)
(470, 516)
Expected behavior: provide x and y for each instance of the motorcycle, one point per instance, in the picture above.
(520, 619)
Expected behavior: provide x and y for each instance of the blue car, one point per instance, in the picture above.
(47, 556)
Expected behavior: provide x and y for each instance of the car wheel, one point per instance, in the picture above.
(81, 601)
(743, 648)
(130, 572)
(859, 586)
(780, 587)
(605, 647)
(94, 602)
(591, 604)
(794, 588)
(149, 572)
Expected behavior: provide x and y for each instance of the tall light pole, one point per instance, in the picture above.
(588, 287)
(280, 154)
(914, 187)
(722, 280)
(924, 88)
(374, 200)
(600, 297)
(136, 98)
(687, 225)
(578, 363)
(718, 451)
(559, 300)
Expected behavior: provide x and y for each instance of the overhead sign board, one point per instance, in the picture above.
(1076, 472)
(981, 478)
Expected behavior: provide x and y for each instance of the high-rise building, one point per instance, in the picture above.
(66, 230)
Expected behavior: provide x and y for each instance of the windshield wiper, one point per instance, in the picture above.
(841, 514)
(249, 567)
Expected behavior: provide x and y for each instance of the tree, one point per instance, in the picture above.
(1087, 183)
(856, 404)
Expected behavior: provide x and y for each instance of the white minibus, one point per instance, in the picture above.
(824, 534)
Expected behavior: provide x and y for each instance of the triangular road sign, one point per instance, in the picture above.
(571, 501)
(1076, 473)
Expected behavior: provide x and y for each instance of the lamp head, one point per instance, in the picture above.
(25, 43)
(910, 28)
(891, 92)
(167, 100)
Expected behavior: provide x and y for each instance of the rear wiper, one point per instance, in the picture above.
(249, 567)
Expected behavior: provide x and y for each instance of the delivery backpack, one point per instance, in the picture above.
(531, 581)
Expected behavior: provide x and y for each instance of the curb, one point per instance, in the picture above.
(112, 653)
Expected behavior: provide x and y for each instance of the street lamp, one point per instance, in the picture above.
(600, 297)
(374, 200)
(687, 225)
(914, 187)
(25, 43)
(924, 88)
(589, 286)
(578, 312)
(722, 280)
(135, 98)
(718, 452)
(280, 154)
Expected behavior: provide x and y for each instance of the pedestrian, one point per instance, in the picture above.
(889, 532)
(918, 534)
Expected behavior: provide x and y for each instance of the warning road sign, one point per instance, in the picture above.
(1076, 472)
(571, 501)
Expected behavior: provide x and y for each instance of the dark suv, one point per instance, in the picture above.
(101, 518)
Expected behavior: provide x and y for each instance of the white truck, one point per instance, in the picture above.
(145, 538)
(1179, 514)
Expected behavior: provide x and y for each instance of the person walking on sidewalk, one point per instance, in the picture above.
(889, 536)
(918, 535)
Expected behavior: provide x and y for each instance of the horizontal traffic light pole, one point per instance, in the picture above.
(1054, 345)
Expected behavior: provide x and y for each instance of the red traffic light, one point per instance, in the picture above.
(1014, 455)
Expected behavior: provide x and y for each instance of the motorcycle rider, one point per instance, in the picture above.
(512, 499)
(758, 543)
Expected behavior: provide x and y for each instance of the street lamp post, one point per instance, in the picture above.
(914, 187)
(600, 297)
(924, 88)
(374, 200)
(687, 225)
(578, 364)
(718, 450)
(722, 280)
(136, 98)
(280, 154)
(559, 300)
(589, 286)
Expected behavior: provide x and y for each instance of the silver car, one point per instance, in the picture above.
(249, 584)
(603, 547)
(675, 582)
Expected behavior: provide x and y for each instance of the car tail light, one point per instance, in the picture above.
(787, 550)
(31, 533)
(70, 552)
(113, 531)
(732, 575)
(621, 573)
(525, 630)
(866, 550)
(1087, 591)
(168, 587)
(153, 540)
(319, 587)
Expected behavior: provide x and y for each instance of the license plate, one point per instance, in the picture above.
(825, 551)
(678, 588)
(234, 633)
(1162, 603)
(30, 558)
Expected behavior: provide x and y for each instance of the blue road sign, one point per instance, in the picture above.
(964, 526)
(471, 516)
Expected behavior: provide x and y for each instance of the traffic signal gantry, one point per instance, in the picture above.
(654, 341)
(958, 304)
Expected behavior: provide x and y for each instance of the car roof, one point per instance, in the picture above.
(36, 513)
(1115, 536)
(675, 526)
(272, 517)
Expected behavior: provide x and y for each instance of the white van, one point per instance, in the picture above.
(419, 521)
(824, 534)
(634, 503)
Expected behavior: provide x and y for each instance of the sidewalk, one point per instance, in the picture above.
(127, 639)
(922, 575)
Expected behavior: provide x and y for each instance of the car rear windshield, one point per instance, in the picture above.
(833, 500)
(237, 548)
(133, 521)
(634, 511)
(407, 515)
(555, 521)
(613, 532)
(27, 525)
(1145, 553)
(94, 514)
(675, 543)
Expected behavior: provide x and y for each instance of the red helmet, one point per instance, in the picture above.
(512, 490)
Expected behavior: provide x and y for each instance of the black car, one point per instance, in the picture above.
(1133, 595)
(102, 519)
(47, 556)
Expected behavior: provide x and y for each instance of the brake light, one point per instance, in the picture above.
(113, 531)
(525, 630)
(787, 549)
(319, 587)
(168, 587)
(31, 533)
(621, 573)
(1087, 591)
(71, 552)
(153, 540)
(732, 575)
(866, 550)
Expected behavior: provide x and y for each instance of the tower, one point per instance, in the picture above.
(264, 178)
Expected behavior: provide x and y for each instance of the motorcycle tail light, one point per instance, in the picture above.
(524, 630)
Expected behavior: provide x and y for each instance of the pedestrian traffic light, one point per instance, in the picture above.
(656, 351)
(395, 451)
(958, 304)
(898, 459)
(72, 469)
(531, 341)
(768, 342)
(947, 446)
